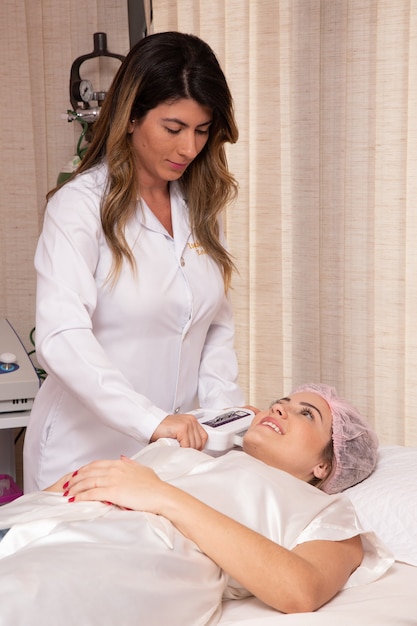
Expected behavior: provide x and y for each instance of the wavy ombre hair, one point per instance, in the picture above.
(160, 68)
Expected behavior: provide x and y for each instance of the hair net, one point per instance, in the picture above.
(355, 444)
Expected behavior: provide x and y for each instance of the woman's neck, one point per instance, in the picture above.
(158, 200)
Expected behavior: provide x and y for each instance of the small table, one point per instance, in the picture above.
(8, 422)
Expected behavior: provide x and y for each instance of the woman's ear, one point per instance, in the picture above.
(321, 470)
(131, 127)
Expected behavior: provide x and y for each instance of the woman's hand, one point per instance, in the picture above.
(185, 428)
(59, 485)
(124, 482)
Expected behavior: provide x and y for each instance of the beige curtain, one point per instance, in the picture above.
(325, 227)
(39, 40)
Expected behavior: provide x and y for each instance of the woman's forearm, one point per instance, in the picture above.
(289, 581)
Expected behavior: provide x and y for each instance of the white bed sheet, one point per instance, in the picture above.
(389, 601)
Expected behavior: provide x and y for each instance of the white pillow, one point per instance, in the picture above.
(386, 502)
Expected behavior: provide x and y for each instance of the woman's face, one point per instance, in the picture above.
(292, 434)
(168, 138)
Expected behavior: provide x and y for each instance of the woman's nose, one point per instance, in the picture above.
(188, 145)
(278, 409)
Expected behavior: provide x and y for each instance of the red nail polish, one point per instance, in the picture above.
(66, 492)
(75, 473)
(65, 485)
(71, 499)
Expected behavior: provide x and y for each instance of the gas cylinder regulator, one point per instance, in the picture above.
(85, 101)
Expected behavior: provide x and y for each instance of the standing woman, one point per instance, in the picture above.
(134, 325)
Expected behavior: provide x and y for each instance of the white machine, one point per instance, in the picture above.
(225, 429)
(19, 384)
(19, 381)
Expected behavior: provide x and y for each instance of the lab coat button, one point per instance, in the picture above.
(182, 261)
(177, 410)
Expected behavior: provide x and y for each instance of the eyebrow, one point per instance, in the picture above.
(312, 406)
(181, 123)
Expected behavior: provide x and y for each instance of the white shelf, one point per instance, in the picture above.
(15, 419)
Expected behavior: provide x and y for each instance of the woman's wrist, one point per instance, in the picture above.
(176, 506)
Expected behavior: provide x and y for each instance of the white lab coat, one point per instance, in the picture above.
(120, 358)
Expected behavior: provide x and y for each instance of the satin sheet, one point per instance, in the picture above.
(91, 563)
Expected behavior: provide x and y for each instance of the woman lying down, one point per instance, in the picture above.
(163, 538)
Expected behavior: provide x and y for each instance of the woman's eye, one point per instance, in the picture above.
(202, 132)
(173, 131)
(307, 413)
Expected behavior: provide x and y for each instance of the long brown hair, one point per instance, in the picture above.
(165, 67)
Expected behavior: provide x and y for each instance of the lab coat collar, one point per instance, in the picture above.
(180, 221)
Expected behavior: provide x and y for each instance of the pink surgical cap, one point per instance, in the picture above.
(355, 444)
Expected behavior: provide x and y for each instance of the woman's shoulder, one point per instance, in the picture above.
(83, 192)
(93, 181)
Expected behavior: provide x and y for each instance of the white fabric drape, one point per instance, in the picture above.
(324, 228)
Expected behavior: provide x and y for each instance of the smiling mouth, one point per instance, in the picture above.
(272, 425)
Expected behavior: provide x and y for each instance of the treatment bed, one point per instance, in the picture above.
(93, 578)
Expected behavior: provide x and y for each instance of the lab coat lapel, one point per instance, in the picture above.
(180, 220)
(144, 218)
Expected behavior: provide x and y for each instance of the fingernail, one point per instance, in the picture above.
(66, 492)
(71, 499)
(65, 485)
(75, 473)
